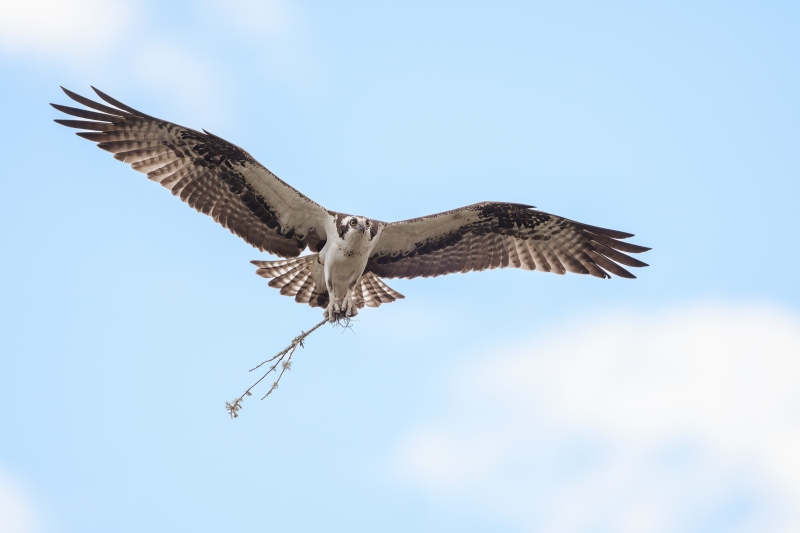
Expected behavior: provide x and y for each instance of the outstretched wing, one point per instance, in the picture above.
(498, 235)
(212, 175)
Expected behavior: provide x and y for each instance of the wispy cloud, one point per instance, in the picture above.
(685, 421)
(119, 43)
(94, 38)
(17, 514)
(52, 30)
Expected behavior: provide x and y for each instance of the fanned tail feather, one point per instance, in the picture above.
(301, 277)
(304, 278)
(374, 292)
(272, 269)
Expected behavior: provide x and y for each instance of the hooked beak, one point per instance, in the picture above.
(361, 228)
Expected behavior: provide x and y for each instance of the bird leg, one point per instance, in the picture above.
(341, 308)
(348, 306)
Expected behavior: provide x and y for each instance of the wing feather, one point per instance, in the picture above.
(555, 263)
(610, 265)
(82, 113)
(616, 256)
(210, 174)
(499, 235)
(85, 124)
(524, 259)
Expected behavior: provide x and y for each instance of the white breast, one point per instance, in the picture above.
(344, 261)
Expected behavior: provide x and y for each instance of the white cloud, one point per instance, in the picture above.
(54, 29)
(685, 421)
(96, 39)
(123, 43)
(17, 514)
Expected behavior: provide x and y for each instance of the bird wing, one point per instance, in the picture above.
(212, 175)
(498, 235)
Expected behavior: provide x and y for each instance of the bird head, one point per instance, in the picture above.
(356, 227)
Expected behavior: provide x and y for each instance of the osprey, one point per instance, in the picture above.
(350, 254)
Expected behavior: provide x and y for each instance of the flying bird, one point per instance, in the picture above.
(350, 254)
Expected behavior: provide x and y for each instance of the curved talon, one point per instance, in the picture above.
(340, 309)
(348, 308)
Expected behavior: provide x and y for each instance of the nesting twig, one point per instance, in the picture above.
(282, 359)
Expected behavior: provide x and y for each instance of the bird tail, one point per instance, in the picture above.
(304, 278)
(301, 277)
(374, 292)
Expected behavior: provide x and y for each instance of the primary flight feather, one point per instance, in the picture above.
(350, 254)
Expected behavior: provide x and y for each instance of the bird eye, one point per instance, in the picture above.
(366, 223)
(353, 222)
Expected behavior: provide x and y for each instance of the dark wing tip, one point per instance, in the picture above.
(494, 204)
(71, 94)
(515, 204)
(117, 103)
(623, 272)
(93, 136)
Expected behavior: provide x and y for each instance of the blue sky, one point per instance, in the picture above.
(500, 401)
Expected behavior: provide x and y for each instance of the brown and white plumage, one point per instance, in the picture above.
(303, 278)
(499, 235)
(212, 175)
(349, 254)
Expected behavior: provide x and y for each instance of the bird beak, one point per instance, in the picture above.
(362, 228)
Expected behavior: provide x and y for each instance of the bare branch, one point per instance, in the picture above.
(282, 358)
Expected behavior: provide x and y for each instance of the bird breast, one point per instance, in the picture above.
(345, 261)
